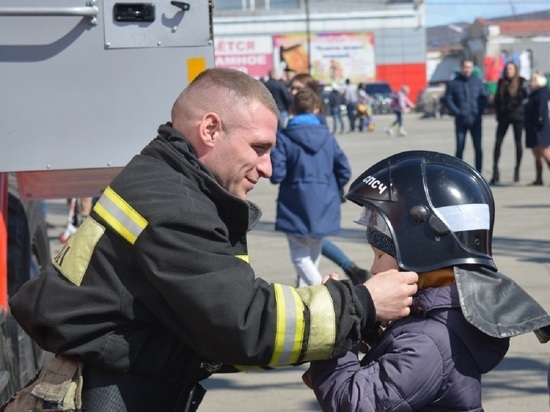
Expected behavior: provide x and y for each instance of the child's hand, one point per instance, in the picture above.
(331, 276)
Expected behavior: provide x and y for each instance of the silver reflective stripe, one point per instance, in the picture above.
(289, 333)
(122, 218)
(461, 218)
(290, 327)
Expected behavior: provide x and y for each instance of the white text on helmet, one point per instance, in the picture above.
(375, 184)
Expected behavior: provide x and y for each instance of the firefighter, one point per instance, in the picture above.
(154, 292)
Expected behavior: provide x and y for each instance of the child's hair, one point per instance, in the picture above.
(305, 101)
(307, 80)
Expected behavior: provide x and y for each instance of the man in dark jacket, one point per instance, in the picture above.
(466, 98)
(281, 95)
(155, 291)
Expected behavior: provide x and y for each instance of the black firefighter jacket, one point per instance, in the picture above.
(156, 282)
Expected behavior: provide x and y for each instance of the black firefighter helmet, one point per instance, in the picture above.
(436, 209)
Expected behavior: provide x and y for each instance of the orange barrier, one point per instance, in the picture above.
(4, 241)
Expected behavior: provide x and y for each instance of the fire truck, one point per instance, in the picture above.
(84, 86)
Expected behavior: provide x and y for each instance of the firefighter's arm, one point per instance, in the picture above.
(336, 314)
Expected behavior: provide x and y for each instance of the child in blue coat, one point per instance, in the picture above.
(311, 170)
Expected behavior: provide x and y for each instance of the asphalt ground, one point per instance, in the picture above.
(521, 246)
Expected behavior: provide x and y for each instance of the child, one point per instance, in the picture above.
(364, 109)
(431, 213)
(308, 204)
(400, 105)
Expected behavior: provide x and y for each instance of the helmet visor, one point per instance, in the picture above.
(372, 219)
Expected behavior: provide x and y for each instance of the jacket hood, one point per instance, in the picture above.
(427, 302)
(307, 134)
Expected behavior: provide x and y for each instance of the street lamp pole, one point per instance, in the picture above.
(308, 37)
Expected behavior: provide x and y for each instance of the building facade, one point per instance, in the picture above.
(372, 40)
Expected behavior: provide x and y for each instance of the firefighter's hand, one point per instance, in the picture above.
(306, 377)
(392, 292)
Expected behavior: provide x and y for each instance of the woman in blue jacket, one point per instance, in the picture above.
(537, 124)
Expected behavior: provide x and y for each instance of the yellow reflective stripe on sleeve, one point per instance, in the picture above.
(243, 257)
(322, 328)
(122, 218)
(289, 333)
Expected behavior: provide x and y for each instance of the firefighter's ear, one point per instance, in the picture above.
(210, 128)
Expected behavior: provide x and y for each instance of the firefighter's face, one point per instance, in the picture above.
(242, 155)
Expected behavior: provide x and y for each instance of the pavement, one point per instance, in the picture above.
(521, 246)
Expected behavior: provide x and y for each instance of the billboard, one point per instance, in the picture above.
(334, 57)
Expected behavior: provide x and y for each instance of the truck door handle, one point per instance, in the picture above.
(134, 12)
(90, 10)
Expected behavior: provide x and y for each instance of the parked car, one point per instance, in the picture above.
(382, 94)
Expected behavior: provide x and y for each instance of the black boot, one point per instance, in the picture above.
(495, 178)
(516, 174)
(357, 275)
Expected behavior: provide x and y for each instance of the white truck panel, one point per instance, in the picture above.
(81, 90)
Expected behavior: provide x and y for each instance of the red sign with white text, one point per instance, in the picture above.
(252, 55)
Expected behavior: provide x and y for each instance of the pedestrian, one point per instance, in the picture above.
(281, 95)
(329, 249)
(510, 98)
(308, 203)
(78, 210)
(350, 95)
(335, 101)
(400, 105)
(466, 98)
(537, 124)
(434, 213)
(154, 292)
(364, 108)
(303, 81)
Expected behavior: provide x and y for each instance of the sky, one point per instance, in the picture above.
(440, 12)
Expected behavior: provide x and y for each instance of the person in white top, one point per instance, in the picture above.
(350, 94)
